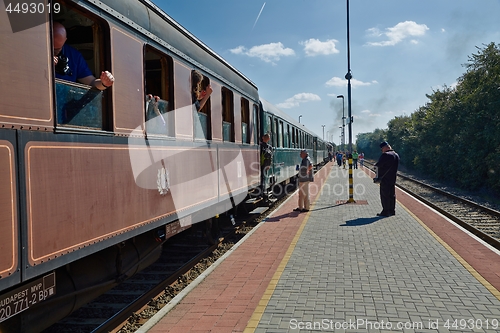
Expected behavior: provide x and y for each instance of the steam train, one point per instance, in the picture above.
(93, 182)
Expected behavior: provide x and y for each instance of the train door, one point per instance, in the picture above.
(227, 115)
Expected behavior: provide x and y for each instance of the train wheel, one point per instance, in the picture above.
(212, 231)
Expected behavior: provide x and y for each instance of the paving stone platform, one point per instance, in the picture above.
(340, 268)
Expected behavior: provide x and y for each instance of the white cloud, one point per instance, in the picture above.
(314, 47)
(398, 33)
(267, 52)
(238, 50)
(297, 99)
(340, 82)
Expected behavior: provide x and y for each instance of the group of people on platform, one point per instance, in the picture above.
(343, 157)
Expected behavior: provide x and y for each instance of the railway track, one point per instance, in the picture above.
(482, 221)
(185, 256)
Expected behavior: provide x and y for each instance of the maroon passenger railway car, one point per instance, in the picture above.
(91, 181)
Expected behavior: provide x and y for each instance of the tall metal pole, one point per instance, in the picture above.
(348, 76)
(323, 132)
(343, 122)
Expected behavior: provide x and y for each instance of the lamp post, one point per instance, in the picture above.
(323, 132)
(348, 77)
(341, 138)
(299, 118)
(343, 121)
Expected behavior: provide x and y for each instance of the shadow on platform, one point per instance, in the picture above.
(360, 221)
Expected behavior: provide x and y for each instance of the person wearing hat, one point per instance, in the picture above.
(305, 176)
(387, 168)
(266, 157)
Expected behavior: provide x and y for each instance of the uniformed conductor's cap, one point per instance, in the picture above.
(383, 144)
(303, 151)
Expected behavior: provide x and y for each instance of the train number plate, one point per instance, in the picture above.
(27, 296)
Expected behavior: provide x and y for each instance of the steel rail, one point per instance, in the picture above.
(477, 232)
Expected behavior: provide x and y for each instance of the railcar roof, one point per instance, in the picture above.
(268, 107)
(153, 19)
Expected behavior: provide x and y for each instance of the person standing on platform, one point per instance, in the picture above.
(266, 157)
(306, 175)
(387, 168)
(362, 159)
(355, 160)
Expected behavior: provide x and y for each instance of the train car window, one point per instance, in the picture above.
(201, 99)
(255, 121)
(275, 133)
(268, 128)
(80, 58)
(295, 138)
(280, 134)
(245, 120)
(158, 88)
(287, 136)
(227, 115)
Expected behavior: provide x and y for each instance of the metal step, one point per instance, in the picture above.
(259, 210)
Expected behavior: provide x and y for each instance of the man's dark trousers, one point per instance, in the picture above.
(388, 198)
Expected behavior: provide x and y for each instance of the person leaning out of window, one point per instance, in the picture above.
(70, 64)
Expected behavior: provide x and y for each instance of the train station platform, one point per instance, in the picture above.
(341, 268)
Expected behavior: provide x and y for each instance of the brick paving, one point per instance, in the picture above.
(340, 268)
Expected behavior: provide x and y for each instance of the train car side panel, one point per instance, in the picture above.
(128, 89)
(9, 224)
(26, 81)
(85, 196)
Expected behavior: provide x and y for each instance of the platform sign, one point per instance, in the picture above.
(24, 297)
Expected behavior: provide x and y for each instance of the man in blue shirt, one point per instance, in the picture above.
(76, 68)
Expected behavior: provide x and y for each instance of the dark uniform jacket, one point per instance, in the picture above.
(388, 167)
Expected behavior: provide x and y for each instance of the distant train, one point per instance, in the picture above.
(92, 182)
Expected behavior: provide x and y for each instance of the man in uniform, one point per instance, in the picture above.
(387, 168)
(266, 157)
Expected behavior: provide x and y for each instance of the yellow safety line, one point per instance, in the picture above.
(461, 260)
(259, 310)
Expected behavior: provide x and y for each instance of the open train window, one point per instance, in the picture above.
(80, 58)
(268, 128)
(245, 120)
(201, 99)
(227, 115)
(275, 133)
(158, 88)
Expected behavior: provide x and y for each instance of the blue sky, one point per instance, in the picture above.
(296, 51)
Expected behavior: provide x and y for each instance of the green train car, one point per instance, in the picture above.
(288, 138)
